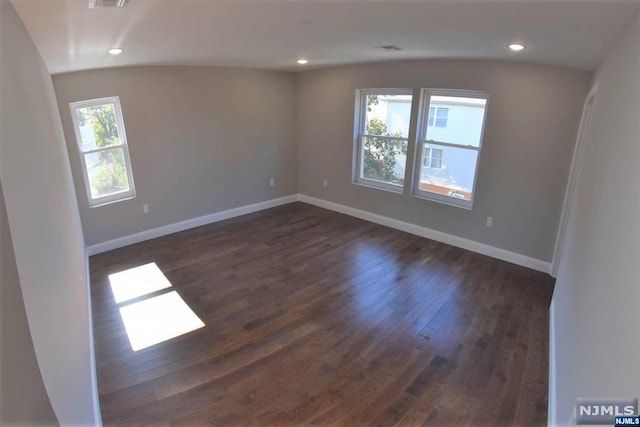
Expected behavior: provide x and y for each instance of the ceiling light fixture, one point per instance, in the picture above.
(115, 51)
(302, 61)
(516, 47)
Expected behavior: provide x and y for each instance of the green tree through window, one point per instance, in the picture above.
(380, 153)
(108, 174)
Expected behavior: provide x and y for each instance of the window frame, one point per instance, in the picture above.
(122, 137)
(420, 141)
(359, 135)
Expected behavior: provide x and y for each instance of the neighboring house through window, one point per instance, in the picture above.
(450, 124)
(102, 143)
(452, 129)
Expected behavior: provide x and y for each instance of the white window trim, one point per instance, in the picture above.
(359, 134)
(421, 131)
(122, 137)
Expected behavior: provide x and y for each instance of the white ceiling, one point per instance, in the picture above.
(273, 34)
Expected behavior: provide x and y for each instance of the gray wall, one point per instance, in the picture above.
(201, 139)
(45, 228)
(23, 398)
(595, 303)
(531, 127)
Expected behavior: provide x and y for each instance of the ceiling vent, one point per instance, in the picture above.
(389, 47)
(96, 4)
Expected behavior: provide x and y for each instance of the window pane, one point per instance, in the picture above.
(384, 159)
(441, 117)
(388, 115)
(427, 157)
(436, 160)
(107, 172)
(458, 120)
(98, 127)
(453, 171)
(432, 113)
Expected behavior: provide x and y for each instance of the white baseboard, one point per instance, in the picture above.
(438, 236)
(187, 224)
(551, 410)
(97, 417)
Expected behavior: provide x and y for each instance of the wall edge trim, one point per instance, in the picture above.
(439, 236)
(175, 227)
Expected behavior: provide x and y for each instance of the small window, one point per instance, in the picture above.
(381, 137)
(452, 129)
(438, 116)
(102, 142)
(433, 158)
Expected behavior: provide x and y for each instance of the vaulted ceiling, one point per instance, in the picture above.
(272, 34)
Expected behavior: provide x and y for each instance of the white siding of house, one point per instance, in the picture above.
(464, 125)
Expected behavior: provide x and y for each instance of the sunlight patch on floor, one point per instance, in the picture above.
(138, 281)
(158, 319)
(154, 319)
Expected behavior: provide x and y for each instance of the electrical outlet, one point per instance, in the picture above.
(489, 221)
(145, 208)
(325, 183)
(271, 182)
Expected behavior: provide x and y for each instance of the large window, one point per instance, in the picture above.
(102, 142)
(382, 136)
(449, 144)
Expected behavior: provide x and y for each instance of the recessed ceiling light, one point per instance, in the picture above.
(516, 47)
(302, 61)
(115, 51)
(96, 4)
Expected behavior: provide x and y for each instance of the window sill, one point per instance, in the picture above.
(444, 201)
(388, 187)
(110, 202)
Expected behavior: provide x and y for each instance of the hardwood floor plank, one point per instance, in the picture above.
(317, 318)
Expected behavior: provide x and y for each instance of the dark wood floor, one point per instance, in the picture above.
(316, 318)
